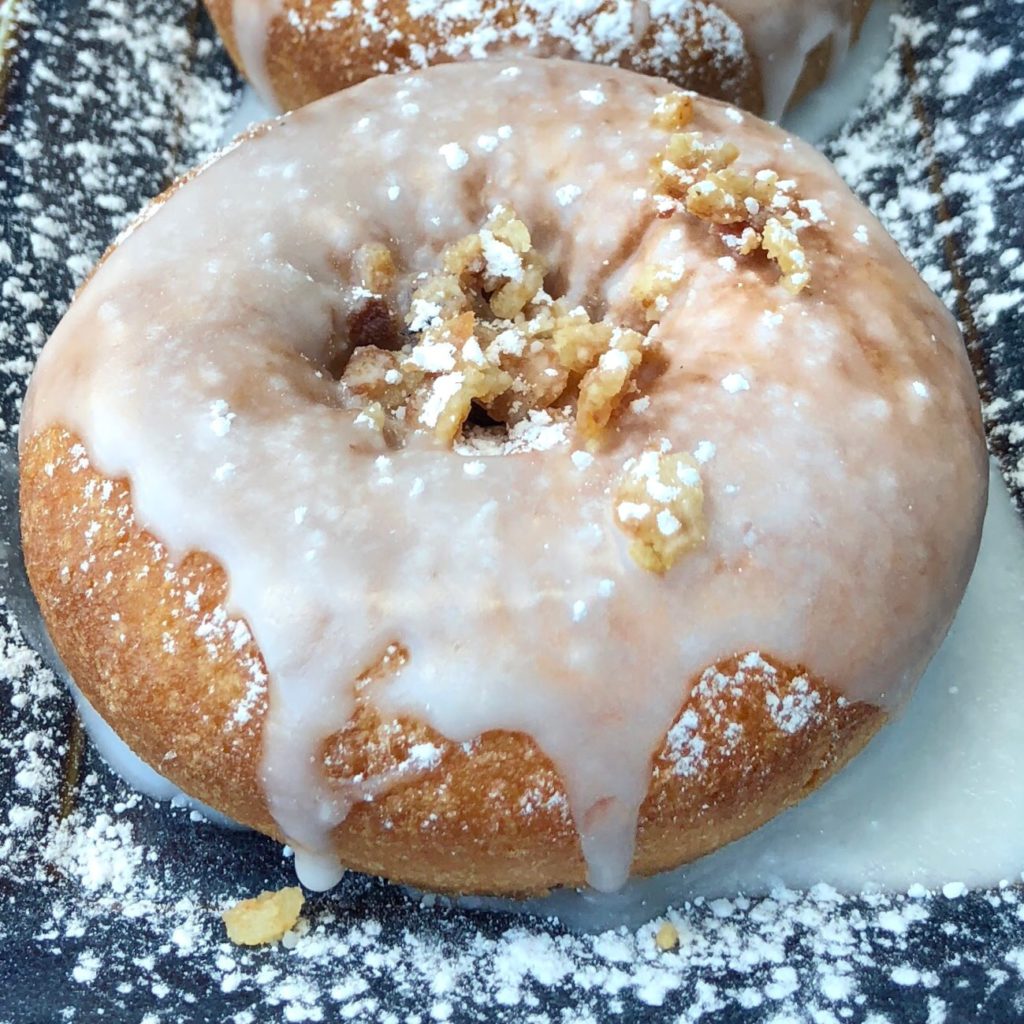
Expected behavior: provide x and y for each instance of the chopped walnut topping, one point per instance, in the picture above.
(486, 334)
(746, 243)
(264, 919)
(654, 284)
(660, 505)
(673, 112)
(448, 373)
(375, 267)
(483, 332)
(700, 178)
(783, 246)
(578, 342)
(370, 320)
(607, 383)
(687, 159)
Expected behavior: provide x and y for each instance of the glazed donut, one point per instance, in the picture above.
(762, 56)
(502, 477)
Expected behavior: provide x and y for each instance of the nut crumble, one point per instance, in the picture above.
(700, 178)
(482, 332)
(659, 504)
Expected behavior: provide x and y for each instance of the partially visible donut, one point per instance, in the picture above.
(503, 476)
(760, 55)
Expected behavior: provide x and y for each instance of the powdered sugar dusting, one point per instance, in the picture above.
(605, 33)
(962, 90)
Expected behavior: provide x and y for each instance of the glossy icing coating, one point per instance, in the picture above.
(837, 433)
(780, 35)
(251, 22)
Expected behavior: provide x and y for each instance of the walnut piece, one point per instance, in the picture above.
(370, 320)
(606, 384)
(654, 284)
(265, 918)
(700, 178)
(673, 111)
(659, 504)
(779, 240)
(375, 268)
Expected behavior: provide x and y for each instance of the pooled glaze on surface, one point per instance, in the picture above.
(779, 35)
(842, 463)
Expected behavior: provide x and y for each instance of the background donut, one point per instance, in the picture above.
(760, 56)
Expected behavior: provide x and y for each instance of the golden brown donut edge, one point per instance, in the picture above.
(305, 63)
(129, 626)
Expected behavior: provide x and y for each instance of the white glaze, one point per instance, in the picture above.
(251, 25)
(781, 34)
(937, 798)
(835, 542)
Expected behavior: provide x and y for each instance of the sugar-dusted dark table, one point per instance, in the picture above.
(108, 901)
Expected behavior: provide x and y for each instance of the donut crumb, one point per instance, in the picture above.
(666, 938)
(265, 918)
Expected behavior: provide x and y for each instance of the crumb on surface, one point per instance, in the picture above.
(265, 918)
(666, 938)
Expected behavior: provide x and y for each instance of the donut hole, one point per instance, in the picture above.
(489, 352)
(556, 282)
(480, 420)
(372, 323)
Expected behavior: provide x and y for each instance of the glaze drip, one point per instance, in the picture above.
(781, 36)
(252, 21)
